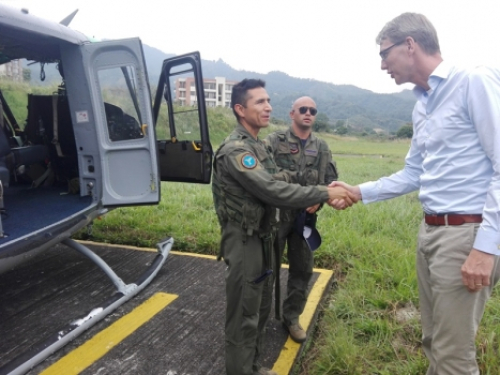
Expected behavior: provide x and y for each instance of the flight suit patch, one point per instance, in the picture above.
(294, 148)
(311, 152)
(248, 161)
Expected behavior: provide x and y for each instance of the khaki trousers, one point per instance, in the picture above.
(450, 313)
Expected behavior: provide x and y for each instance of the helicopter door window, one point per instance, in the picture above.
(185, 107)
(118, 91)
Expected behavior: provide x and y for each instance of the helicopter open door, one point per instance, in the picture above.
(185, 152)
(120, 110)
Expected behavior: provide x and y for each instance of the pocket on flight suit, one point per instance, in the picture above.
(252, 296)
(310, 177)
(252, 214)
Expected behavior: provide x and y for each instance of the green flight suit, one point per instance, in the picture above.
(312, 163)
(246, 195)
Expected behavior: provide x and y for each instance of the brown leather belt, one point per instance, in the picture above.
(452, 219)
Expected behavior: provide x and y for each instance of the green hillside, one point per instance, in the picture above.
(348, 106)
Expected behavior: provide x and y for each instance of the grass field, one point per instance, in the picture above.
(370, 323)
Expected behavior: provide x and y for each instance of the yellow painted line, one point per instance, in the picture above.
(290, 350)
(150, 249)
(213, 257)
(95, 348)
(117, 246)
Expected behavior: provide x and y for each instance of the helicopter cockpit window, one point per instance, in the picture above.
(118, 90)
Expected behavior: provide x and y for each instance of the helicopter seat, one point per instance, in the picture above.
(11, 159)
(49, 128)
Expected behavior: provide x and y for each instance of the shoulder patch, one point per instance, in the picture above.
(248, 161)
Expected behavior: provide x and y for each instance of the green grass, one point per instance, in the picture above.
(370, 248)
(185, 213)
(365, 147)
(361, 328)
(15, 94)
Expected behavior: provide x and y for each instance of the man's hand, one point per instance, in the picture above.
(342, 196)
(312, 209)
(340, 204)
(476, 271)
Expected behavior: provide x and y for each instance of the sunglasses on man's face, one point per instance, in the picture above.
(312, 110)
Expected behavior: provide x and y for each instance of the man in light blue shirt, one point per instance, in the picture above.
(454, 160)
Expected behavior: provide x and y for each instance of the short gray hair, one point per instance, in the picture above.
(414, 25)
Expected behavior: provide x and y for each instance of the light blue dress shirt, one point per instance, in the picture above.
(454, 157)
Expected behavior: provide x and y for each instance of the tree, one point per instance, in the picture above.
(277, 121)
(26, 75)
(340, 124)
(405, 131)
(342, 130)
(321, 124)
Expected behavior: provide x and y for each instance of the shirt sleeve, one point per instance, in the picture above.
(483, 101)
(258, 182)
(403, 182)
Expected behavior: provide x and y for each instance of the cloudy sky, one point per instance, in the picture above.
(327, 40)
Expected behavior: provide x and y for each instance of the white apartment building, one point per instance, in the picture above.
(12, 70)
(217, 91)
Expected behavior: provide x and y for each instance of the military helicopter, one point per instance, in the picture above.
(98, 142)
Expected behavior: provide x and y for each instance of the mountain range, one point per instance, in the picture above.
(361, 109)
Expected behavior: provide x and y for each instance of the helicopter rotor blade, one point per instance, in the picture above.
(66, 21)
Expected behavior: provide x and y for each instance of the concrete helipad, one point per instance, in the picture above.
(175, 326)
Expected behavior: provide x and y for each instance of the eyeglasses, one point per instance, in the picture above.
(312, 110)
(385, 52)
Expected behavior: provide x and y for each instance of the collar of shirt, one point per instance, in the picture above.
(440, 73)
(242, 130)
(303, 141)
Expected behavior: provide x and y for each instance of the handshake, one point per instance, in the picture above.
(343, 195)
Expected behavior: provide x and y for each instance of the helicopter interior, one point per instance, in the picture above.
(38, 167)
(37, 153)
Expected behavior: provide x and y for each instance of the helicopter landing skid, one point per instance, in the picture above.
(43, 349)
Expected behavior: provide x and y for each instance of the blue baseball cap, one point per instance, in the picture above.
(312, 237)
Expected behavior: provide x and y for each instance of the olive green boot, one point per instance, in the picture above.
(296, 332)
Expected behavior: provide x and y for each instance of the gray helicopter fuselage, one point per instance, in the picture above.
(88, 147)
